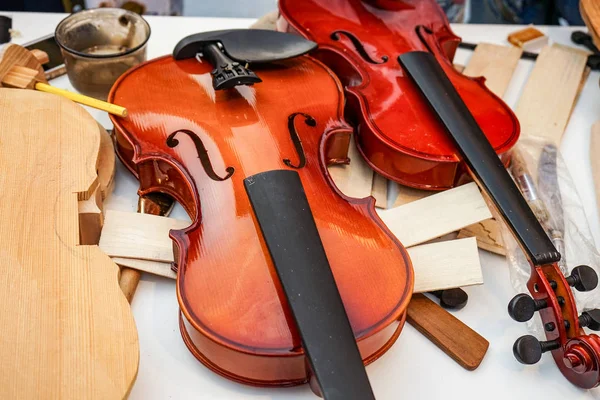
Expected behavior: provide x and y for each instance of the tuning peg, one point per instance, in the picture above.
(528, 350)
(591, 319)
(522, 307)
(454, 299)
(583, 278)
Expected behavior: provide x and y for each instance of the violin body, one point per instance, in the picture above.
(398, 134)
(184, 139)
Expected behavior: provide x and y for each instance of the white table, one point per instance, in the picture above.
(414, 367)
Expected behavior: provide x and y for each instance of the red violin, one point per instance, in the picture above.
(361, 42)
(205, 130)
(423, 124)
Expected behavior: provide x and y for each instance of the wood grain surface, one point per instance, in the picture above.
(495, 63)
(454, 338)
(68, 330)
(126, 236)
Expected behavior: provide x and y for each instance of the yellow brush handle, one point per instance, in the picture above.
(81, 99)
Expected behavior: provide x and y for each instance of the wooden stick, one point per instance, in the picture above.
(85, 100)
(142, 241)
(548, 97)
(436, 215)
(453, 337)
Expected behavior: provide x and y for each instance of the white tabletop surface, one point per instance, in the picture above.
(413, 368)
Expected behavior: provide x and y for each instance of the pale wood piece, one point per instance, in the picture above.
(549, 94)
(159, 268)
(595, 159)
(408, 195)
(458, 67)
(68, 330)
(355, 179)
(590, 12)
(20, 78)
(437, 266)
(380, 191)
(91, 216)
(106, 164)
(488, 234)
(267, 21)
(453, 337)
(529, 39)
(436, 215)
(495, 63)
(14, 55)
(40, 56)
(133, 238)
(139, 236)
(446, 265)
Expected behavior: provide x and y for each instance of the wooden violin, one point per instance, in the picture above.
(202, 146)
(360, 41)
(423, 124)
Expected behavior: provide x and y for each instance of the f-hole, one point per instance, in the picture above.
(358, 46)
(421, 31)
(308, 120)
(202, 154)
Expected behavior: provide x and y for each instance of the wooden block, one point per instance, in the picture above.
(446, 265)
(15, 55)
(380, 191)
(355, 179)
(437, 266)
(528, 39)
(495, 63)
(453, 337)
(68, 330)
(91, 214)
(549, 94)
(488, 234)
(438, 215)
(106, 163)
(140, 236)
(590, 12)
(40, 56)
(20, 78)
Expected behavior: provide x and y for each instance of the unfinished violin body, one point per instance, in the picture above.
(197, 145)
(68, 331)
(397, 133)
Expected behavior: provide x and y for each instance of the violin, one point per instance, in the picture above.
(360, 41)
(203, 128)
(423, 124)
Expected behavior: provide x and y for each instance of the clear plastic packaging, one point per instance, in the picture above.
(543, 178)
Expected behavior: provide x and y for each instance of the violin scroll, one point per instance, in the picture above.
(576, 353)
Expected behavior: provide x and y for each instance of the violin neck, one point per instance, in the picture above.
(480, 157)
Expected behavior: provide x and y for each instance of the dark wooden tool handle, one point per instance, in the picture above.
(452, 336)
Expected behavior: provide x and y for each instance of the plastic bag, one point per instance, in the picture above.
(545, 182)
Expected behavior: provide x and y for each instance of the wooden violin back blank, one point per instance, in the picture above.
(67, 330)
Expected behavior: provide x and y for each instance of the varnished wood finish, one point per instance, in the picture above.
(67, 330)
(126, 235)
(398, 133)
(234, 318)
(454, 338)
